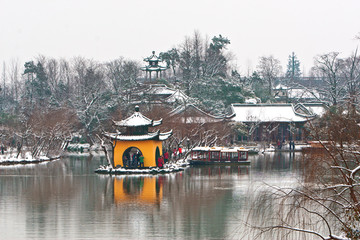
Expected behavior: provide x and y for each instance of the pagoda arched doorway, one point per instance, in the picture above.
(131, 157)
(157, 155)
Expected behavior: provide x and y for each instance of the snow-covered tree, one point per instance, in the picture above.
(37, 86)
(293, 67)
(171, 58)
(350, 72)
(269, 69)
(216, 61)
(328, 67)
(122, 76)
(327, 203)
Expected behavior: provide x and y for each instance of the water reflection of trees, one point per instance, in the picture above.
(318, 205)
(275, 161)
(201, 202)
(271, 214)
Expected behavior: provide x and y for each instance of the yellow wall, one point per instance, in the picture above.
(147, 148)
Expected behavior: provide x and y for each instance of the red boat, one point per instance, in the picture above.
(218, 155)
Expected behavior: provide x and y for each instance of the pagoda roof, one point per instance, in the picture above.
(152, 58)
(150, 136)
(153, 68)
(137, 120)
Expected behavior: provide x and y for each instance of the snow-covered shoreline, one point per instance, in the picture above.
(11, 159)
(168, 168)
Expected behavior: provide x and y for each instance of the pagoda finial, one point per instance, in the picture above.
(137, 108)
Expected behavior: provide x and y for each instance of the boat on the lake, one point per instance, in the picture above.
(218, 155)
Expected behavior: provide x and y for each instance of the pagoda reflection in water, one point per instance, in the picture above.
(140, 189)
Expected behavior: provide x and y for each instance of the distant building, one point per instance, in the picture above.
(273, 122)
(154, 65)
(159, 94)
(187, 119)
(288, 94)
(189, 113)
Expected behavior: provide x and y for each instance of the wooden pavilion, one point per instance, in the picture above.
(137, 140)
(153, 66)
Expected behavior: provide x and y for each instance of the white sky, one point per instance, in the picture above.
(104, 30)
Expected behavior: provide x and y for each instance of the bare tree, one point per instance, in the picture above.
(51, 131)
(351, 74)
(122, 76)
(14, 75)
(328, 66)
(185, 64)
(269, 68)
(327, 203)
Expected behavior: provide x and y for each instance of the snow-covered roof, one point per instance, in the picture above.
(137, 120)
(164, 136)
(196, 115)
(160, 89)
(265, 113)
(303, 93)
(178, 95)
(281, 86)
(318, 109)
(153, 68)
(150, 136)
(155, 63)
(153, 57)
(251, 101)
(220, 149)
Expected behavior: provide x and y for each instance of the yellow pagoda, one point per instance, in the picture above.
(137, 141)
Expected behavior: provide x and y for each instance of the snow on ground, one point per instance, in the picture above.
(11, 158)
(168, 168)
(284, 148)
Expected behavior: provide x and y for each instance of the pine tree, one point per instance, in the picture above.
(293, 67)
(37, 85)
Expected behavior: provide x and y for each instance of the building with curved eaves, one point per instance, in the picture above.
(136, 140)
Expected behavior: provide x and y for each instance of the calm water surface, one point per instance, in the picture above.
(65, 199)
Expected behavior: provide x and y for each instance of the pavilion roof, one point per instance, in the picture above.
(152, 58)
(153, 68)
(266, 113)
(150, 136)
(137, 120)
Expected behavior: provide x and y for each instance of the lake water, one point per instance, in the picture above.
(65, 199)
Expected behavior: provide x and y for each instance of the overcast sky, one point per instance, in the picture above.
(107, 29)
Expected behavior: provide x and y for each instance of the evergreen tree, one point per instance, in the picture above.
(216, 63)
(293, 67)
(171, 58)
(41, 84)
(37, 90)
